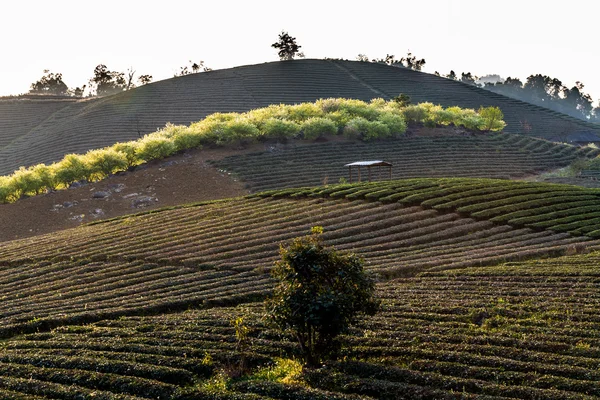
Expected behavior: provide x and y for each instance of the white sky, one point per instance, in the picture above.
(509, 38)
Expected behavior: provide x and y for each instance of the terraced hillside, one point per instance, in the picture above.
(220, 253)
(449, 328)
(83, 126)
(526, 330)
(19, 116)
(501, 156)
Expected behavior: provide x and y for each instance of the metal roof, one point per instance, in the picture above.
(369, 164)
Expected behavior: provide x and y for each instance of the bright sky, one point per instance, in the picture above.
(509, 38)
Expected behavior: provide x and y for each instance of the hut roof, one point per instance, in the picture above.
(376, 163)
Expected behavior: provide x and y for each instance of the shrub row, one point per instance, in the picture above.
(353, 118)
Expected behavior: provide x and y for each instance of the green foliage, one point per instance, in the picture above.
(492, 118)
(71, 169)
(284, 371)
(25, 181)
(154, 147)
(238, 131)
(129, 150)
(302, 112)
(274, 128)
(105, 162)
(320, 293)
(415, 113)
(366, 130)
(402, 99)
(318, 127)
(46, 175)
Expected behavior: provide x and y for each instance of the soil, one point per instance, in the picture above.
(180, 179)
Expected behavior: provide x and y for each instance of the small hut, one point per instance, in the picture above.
(369, 165)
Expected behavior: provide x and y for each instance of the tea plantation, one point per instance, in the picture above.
(141, 306)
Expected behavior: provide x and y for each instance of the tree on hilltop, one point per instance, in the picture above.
(50, 83)
(192, 68)
(319, 295)
(410, 61)
(287, 46)
(107, 82)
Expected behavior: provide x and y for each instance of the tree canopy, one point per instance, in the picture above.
(50, 83)
(287, 46)
(320, 293)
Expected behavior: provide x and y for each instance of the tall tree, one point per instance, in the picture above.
(287, 46)
(50, 83)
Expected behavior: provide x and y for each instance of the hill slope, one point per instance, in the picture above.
(219, 252)
(81, 126)
(448, 327)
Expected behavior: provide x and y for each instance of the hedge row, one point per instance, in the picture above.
(353, 118)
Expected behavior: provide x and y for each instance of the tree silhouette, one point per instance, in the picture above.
(451, 75)
(287, 46)
(192, 68)
(50, 83)
(107, 82)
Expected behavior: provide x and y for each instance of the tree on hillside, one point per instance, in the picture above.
(468, 78)
(320, 293)
(451, 75)
(576, 99)
(412, 62)
(105, 82)
(144, 79)
(287, 46)
(50, 83)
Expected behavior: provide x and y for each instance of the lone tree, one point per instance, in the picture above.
(288, 48)
(50, 83)
(320, 294)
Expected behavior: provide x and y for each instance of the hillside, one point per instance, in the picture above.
(209, 174)
(499, 332)
(426, 153)
(45, 132)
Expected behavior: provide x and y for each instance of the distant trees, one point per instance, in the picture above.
(287, 46)
(50, 83)
(106, 82)
(410, 61)
(192, 68)
(549, 92)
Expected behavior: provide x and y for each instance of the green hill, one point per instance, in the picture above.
(44, 132)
